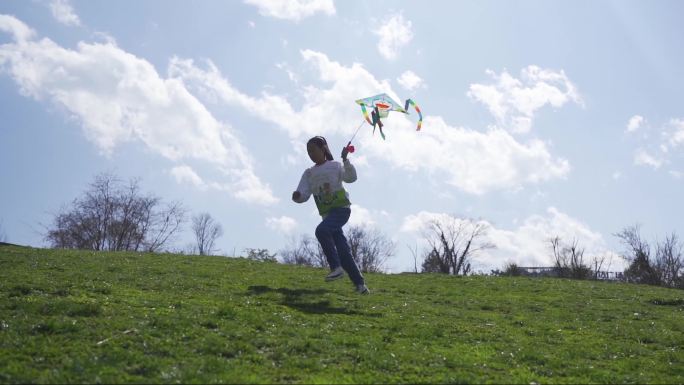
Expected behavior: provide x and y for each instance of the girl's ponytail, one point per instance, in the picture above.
(328, 155)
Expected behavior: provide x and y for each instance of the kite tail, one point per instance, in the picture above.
(376, 120)
(365, 115)
(420, 114)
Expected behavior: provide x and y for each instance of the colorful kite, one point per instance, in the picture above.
(380, 106)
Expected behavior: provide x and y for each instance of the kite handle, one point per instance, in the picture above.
(350, 148)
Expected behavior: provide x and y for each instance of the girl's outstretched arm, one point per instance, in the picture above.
(303, 191)
(348, 171)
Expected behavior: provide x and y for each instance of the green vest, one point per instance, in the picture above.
(328, 201)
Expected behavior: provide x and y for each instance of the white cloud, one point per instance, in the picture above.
(118, 97)
(394, 33)
(284, 224)
(514, 102)
(20, 31)
(185, 174)
(528, 244)
(361, 216)
(480, 161)
(643, 158)
(657, 151)
(675, 133)
(291, 74)
(63, 12)
(472, 161)
(634, 123)
(410, 80)
(417, 223)
(324, 111)
(294, 10)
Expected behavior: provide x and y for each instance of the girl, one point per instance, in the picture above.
(324, 180)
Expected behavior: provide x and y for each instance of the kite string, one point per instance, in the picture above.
(356, 132)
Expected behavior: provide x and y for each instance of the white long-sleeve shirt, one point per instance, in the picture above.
(325, 183)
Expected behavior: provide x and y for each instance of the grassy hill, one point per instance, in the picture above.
(78, 316)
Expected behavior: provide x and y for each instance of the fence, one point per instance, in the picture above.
(546, 271)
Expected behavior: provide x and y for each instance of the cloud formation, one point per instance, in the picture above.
(472, 161)
(644, 158)
(410, 80)
(394, 33)
(479, 161)
(19, 31)
(294, 10)
(635, 122)
(675, 133)
(285, 225)
(514, 102)
(64, 13)
(118, 98)
(185, 174)
(361, 216)
(326, 109)
(657, 146)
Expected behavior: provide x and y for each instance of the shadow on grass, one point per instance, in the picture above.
(296, 299)
(672, 302)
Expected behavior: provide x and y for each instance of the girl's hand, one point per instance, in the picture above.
(347, 150)
(296, 195)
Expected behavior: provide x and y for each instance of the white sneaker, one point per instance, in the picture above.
(335, 274)
(362, 289)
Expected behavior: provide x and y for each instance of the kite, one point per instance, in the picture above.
(381, 105)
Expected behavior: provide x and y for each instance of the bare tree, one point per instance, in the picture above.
(206, 230)
(638, 254)
(597, 263)
(414, 254)
(569, 259)
(112, 216)
(261, 255)
(304, 251)
(370, 249)
(453, 243)
(668, 262)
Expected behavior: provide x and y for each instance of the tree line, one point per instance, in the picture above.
(112, 215)
(116, 216)
(659, 265)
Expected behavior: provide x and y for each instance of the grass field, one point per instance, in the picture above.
(78, 316)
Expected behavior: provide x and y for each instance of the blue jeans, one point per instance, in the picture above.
(334, 243)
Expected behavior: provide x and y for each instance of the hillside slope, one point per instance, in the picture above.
(79, 316)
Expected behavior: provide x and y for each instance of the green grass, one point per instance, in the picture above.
(78, 316)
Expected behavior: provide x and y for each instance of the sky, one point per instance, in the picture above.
(542, 118)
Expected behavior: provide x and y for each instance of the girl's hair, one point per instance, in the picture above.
(320, 142)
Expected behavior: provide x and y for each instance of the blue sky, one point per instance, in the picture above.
(541, 118)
